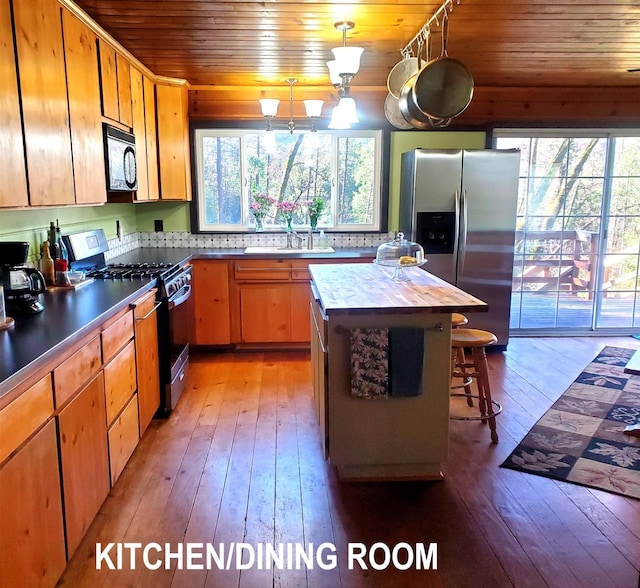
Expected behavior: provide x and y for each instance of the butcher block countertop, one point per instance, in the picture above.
(355, 288)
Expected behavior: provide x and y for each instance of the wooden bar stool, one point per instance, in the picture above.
(476, 340)
(458, 369)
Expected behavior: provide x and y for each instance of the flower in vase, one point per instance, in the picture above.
(315, 206)
(287, 210)
(259, 208)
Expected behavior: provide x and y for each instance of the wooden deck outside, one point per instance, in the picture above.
(240, 461)
(563, 310)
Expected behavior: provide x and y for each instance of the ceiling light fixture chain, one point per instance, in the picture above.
(443, 12)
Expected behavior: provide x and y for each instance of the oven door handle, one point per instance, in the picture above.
(180, 296)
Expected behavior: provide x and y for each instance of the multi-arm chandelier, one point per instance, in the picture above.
(342, 69)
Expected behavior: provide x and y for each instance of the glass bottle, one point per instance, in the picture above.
(46, 265)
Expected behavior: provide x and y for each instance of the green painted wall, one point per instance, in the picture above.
(31, 225)
(408, 140)
(174, 214)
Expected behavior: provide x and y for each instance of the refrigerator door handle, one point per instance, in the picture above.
(462, 238)
(456, 233)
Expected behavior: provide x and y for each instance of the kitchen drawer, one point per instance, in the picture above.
(253, 270)
(72, 373)
(123, 439)
(143, 306)
(25, 415)
(116, 335)
(120, 381)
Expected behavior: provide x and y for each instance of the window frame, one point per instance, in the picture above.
(199, 129)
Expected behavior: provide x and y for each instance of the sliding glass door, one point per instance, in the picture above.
(578, 232)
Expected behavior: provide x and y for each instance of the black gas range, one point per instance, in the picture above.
(173, 280)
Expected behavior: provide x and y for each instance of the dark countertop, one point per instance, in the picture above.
(71, 314)
(68, 316)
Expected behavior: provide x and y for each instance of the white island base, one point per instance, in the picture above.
(394, 438)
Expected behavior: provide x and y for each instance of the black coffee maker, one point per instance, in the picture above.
(21, 284)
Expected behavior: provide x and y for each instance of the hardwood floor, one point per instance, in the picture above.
(240, 461)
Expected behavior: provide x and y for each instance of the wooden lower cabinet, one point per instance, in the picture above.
(85, 463)
(123, 438)
(32, 549)
(211, 321)
(265, 313)
(147, 363)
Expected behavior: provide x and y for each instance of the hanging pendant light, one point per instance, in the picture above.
(347, 58)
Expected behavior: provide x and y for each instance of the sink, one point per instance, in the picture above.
(285, 250)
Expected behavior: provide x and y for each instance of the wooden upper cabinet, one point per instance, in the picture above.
(83, 85)
(140, 133)
(45, 109)
(151, 137)
(13, 188)
(124, 90)
(115, 85)
(173, 142)
(108, 81)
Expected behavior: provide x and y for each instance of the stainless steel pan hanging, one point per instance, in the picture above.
(400, 73)
(443, 88)
(410, 112)
(393, 114)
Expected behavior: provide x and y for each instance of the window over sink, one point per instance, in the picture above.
(246, 177)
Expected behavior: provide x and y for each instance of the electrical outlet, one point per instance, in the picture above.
(118, 229)
(158, 226)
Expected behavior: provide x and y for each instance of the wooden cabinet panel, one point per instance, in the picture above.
(124, 90)
(139, 131)
(151, 137)
(71, 374)
(299, 320)
(119, 381)
(212, 324)
(45, 109)
(116, 335)
(123, 438)
(108, 80)
(83, 84)
(25, 415)
(147, 363)
(85, 462)
(265, 313)
(31, 534)
(13, 188)
(173, 142)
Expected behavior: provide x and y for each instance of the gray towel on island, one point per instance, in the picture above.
(369, 363)
(406, 356)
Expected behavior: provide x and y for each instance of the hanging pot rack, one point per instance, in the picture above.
(422, 36)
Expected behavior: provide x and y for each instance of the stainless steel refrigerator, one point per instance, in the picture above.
(460, 205)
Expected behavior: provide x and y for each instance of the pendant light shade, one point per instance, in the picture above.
(338, 119)
(313, 108)
(347, 60)
(334, 74)
(347, 106)
(269, 106)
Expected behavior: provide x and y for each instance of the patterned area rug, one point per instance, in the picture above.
(580, 438)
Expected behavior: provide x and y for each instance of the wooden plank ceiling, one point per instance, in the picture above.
(233, 52)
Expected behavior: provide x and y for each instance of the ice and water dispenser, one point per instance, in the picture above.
(436, 231)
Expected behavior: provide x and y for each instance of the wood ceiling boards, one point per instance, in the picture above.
(532, 60)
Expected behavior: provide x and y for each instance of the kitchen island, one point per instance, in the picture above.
(400, 430)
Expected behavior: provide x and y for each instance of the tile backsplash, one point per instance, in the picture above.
(241, 240)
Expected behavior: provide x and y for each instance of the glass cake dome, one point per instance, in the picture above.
(399, 254)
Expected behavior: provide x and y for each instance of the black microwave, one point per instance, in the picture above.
(120, 153)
